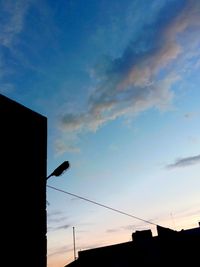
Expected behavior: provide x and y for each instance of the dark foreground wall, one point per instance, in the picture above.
(23, 146)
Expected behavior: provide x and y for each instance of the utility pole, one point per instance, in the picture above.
(74, 243)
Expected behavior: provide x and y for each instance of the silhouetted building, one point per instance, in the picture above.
(23, 146)
(168, 248)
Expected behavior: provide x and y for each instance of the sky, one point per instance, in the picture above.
(119, 84)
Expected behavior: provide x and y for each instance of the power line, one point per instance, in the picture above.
(102, 205)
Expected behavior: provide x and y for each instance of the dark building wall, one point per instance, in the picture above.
(23, 146)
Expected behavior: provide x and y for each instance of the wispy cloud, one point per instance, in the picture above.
(65, 226)
(130, 227)
(56, 221)
(62, 146)
(13, 19)
(134, 227)
(113, 230)
(135, 82)
(56, 228)
(191, 115)
(184, 162)
(60, 250)
(6, 87)
(84, 246)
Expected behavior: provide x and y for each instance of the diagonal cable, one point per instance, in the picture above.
(102, 205)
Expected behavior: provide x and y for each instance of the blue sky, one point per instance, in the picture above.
(119, 84)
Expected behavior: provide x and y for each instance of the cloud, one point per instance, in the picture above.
(114, 230)
(130, 227)
(6, 88)
(54, 218)
(65, 226)
(54, 213)
(61, 147)
(12, 22)
(133, 227)
(60, 250)
(140, 79)
(184, 162)
(12, 19)
(191, 115)
(56, 228)
(91, 245)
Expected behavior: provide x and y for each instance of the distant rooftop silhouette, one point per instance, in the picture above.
(168, 248)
